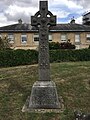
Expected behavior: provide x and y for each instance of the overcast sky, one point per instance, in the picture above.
(12, 10)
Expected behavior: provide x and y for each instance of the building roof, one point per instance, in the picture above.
(86, 13)
(16, 27)
(70, 27)
(58, 28)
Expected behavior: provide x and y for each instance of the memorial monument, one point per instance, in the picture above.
(44, 93)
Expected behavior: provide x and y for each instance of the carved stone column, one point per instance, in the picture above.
(44, 93)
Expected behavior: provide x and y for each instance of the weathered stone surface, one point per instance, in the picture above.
(41, 18)
(44, 95)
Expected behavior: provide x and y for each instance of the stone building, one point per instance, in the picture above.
(24, 36)
(86, 18)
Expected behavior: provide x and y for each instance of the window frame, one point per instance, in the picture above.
(88, 38)
(37, 36)
(24, 35)
(11, 37)
(50, 37)
(77, 38)
(64, 35)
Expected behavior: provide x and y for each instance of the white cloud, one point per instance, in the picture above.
(79, 20)
(84, 3)
(65, 8)
(73, 5)
(4, 21)
(61, 14)
(2, 17)
(68, 3)
(12, 10)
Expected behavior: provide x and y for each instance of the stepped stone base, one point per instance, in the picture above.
(43, 96)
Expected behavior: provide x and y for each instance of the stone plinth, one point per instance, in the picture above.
(44, 96)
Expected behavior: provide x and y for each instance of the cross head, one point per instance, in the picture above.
(43, 16)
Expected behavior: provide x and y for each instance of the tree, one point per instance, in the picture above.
(4, 43)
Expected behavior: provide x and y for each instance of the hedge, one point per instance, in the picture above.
(10, 58)
(69, 55)
(64, 45)
(18, 57)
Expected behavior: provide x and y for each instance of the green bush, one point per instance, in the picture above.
(63, 45)
(67, 45)
(6, 58)
(27, 57)
(18, 57)
(69, 55)
(54, 45)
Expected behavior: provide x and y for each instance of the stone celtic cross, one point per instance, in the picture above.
(43, 19)
(44, 93)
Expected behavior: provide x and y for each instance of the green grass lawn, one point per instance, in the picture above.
(73, 84)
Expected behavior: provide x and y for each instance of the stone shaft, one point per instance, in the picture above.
(44, 19)
(44, 64)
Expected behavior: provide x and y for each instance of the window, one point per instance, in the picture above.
(77, 38)
(24, 38)
(36, 37)
(11, 37)
(88, 37)
(63, 38)
(50, 37)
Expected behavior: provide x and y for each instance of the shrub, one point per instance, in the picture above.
(6, 58)
(54, 45)
(18, 57)
(27, 57)
(4, 44)
(69, 55)
(63, 45)
(67, 45)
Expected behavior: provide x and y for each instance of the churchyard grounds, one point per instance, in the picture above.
(73, 84)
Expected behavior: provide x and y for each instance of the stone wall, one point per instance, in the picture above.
(56, 37)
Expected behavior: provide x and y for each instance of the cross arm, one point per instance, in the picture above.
(52, 21)
(35, 19)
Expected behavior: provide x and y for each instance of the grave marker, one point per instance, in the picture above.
(44, 93)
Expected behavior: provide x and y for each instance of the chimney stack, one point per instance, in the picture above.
(20, 21)
(72, 20)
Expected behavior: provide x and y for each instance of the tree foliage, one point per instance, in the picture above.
(4, 43)
(67, 45)
(63, 45)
